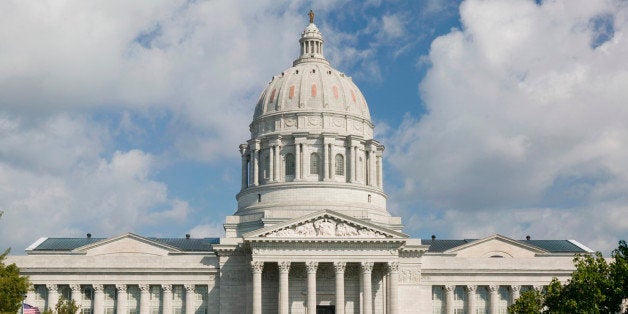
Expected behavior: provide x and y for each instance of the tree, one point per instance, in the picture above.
(596, 286)
(529, 302)
(65, 306)
(13, 287)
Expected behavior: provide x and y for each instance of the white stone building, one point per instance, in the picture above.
(311, 233)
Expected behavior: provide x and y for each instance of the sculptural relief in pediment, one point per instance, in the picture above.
(326, 227)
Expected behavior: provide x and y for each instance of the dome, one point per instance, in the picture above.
(310, 92)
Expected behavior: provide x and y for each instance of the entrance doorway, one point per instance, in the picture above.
(325, 309)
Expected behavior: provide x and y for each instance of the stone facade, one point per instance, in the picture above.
(311, 231)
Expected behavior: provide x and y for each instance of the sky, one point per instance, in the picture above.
(498, 116)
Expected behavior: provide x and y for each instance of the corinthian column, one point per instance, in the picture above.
(257, 267)
(284, 271)
(393, 272)
(121, 299)
(245, 178)
(76, 293)
(99, 299)
(494, 294)
(340, 286)
(449, 299)
(367, 270)
(144, 299)
(189, 299)
(471, 298)
(166, 297)
(311, 266)
(53, 295)
(514, 293)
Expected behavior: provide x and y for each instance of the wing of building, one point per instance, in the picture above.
(311, 233)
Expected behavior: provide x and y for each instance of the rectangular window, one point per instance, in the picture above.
(503, 300)
(460, 300)
(200, 297)
(438, 300)
(178, 299)
(110, 298)
(481, 300)
(133, 299)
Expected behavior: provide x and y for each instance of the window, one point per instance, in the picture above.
(178, 299)
(290, 164)
(41, 296)
(460, 300)
(200, 306)
(267, 167)
(481, 300)
(110, 299)
(503, 297)
(87, 297)
(314, 163)
(340, 165)
(155, 300)
(438, 300)
(133, 299)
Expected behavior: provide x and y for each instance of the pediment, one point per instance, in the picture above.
(126, 244)
(496, 246)
(326, 224)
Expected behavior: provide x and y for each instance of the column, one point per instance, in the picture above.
(371, 165)
(311, 266)
(245, 178)
(393, 272)
(449, 299)
(349, 161)
(514, 293)
(190, 306)
(324, 160)
(332, 162)
(278, 163)
(471, 298)
(340, 286)
(144, 299)
(257, 267)
(166, 297)
(254, 148)
(380, 171)
(30, 295)
(297, 160)
(284, 271)
(76, 293)
(271, 156)
(494, 296)
(367, 301)
(355, 163)
(121, 299)
(53, 295)
(99, 299)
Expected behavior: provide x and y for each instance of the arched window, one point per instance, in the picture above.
(314, 163)
(340, 165)
(290, 164)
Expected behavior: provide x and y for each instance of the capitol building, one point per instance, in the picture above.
(311, 232)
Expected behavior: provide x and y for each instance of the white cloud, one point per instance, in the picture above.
(54, 181)
(526, 125)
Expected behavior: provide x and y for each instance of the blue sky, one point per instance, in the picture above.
(498, 116)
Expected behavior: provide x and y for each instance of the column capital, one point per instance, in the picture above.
(166, 288)
(189, 287)
(311, 266)
(243, 148)
(367, 266)
(144, 287)
(340, 267)
(52, 287)
(284, 266)
(538, 288)
(75, 287)
(515, 287)
(98, 287)
(393, 266)
(121, 287)
(493, 288)
(471, 288)
(257, 267)
(450, 288)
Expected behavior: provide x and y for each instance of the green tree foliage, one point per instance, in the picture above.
(65, 306)
(529, 302)
(13, 287)
(596, 286)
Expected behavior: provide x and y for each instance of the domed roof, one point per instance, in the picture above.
(312, 86)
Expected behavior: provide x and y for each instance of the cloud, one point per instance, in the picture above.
(54, 181)
(525, 130)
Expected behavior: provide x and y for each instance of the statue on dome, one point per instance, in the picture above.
(311, 14)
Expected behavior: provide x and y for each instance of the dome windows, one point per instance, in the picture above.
(340, 165)
(313, 90)
(314, 163)
(290, 164)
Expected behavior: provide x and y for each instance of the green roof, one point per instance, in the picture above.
(552, 246)
(183, 244)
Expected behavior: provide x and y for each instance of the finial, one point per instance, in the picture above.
(311, 14)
